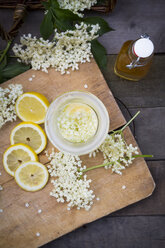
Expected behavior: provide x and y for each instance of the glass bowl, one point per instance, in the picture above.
(54, 134)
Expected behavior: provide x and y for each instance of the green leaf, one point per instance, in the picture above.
(65, 19)
(47, 27)
(66, 14)
(54, 3)
(3, 63)
(99, 53)
(104, 26)
(62, 25)
(50, 3)
(14, 69)
(46, 5)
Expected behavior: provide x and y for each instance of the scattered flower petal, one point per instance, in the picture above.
(27, 204)
(37, 234)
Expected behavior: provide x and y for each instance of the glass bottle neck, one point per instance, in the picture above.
(136, 61)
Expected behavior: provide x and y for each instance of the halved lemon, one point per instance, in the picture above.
(16, 155)
(32, 106)
(31, 176)
(30, 134)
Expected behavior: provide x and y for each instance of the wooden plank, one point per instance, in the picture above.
(118, 232)
(152, 205)
(150, 131)
(148, 92)
(20, 224)
(129, 19)
(53, 84)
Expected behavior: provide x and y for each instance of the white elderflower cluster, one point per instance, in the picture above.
(8, 97)
(76, 5)
(66, 50)
(116, 151)
(77, 122)
(69, 184)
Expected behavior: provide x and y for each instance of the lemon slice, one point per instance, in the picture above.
(31, 134)
(31, 176)
(32, 106)
(16, 155)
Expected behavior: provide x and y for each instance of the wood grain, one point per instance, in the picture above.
(154, 205)
(129, 18)
(19, 224)
(54, 84)
(118, 232)
(147, 93)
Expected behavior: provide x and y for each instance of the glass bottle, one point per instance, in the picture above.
(134, 59)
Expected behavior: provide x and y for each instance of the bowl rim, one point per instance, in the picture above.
(99, 142)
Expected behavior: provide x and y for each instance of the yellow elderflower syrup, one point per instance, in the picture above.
(134, 59)
(77, 122)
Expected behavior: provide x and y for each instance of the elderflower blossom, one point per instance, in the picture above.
(76, 5)
(77, 122)
(65, 51)
(8, 97)
(68, 186)
(117, 152)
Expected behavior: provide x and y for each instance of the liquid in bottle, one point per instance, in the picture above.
(134, 59)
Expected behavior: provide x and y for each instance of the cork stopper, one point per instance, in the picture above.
(143, 47)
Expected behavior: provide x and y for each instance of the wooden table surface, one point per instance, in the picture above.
(140, 225)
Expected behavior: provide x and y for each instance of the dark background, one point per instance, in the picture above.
(141, 225)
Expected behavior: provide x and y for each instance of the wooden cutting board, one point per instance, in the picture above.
(19, 224)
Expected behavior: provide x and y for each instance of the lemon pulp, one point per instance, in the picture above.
(21, 137)
(31, 176)
(31, 134)
(32, 106)
(77, 122)
(17, 154)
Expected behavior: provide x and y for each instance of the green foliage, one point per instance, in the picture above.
(3, 63)
(47, 26)
(8, 71)
(64, 19)
(99, 53)
(104, 26)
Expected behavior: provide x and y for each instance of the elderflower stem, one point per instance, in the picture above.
(121, 130)
(106, 164)
(143, 156)
(130, 121)
(5, 50)
(96, 167)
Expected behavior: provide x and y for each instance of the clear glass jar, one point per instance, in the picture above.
(53, 132)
